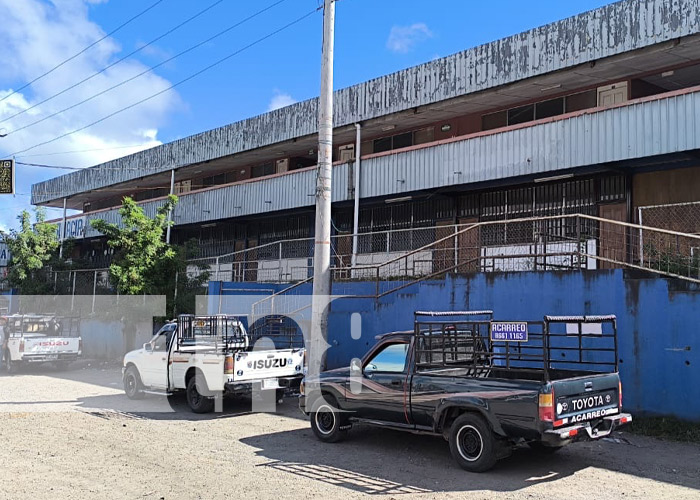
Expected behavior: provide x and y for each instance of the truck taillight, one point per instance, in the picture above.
(546, 407)
(619, 395)
(21, 345)
(80, 345)
(228, 365)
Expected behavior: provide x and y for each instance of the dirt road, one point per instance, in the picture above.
(75, 435)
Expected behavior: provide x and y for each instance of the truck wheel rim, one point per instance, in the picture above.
(469, 443)
(195, 397)
(130, 383)
(325, 419)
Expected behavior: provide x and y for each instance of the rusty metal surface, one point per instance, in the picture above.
(604, 32)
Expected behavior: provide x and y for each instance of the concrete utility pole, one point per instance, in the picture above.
(322, 245)
(170, 212)
(63, 230)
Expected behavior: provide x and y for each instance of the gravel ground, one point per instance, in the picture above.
(74, 434)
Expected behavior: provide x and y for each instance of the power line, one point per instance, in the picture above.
(42, 165)
(172, 30)
(55, 153)
(46, 166)
(83, 51)
(150, 69)
(194, 75)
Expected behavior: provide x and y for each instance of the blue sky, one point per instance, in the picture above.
(373, 38)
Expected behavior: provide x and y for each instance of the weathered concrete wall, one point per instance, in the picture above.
(107, 339)
(604, 32)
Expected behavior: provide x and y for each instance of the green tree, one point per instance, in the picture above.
(140, 251)
(31, 248)
(181, 282)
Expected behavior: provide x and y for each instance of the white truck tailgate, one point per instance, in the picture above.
(51, 345)
(258, 365)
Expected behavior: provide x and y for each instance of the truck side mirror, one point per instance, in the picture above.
(148, 347)
(356, 367)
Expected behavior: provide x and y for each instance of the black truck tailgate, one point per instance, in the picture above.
(585, 398)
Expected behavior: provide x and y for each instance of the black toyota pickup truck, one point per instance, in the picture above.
(484, 385)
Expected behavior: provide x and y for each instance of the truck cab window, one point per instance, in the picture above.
(160, 341)
(391, 359)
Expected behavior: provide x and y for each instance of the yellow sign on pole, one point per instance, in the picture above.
(7, 176)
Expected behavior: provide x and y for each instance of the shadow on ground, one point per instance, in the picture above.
(379, 461)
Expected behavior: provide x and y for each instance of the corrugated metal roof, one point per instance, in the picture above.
(648, 127)
(604, 32)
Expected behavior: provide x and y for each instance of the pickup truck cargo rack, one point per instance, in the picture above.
(558, 347)
(219, 332)
(45, 324)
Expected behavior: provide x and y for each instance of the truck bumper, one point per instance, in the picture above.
(284, 383)
(585, 431)
(49, 357)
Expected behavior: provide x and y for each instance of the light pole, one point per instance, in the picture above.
(322, 246)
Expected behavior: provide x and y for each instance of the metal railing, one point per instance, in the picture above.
(556, 243)
(683, 217)
(562, 242)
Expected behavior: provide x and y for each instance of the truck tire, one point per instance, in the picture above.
(472, 443)
(326, 420)
(195, 400)
(132, 383)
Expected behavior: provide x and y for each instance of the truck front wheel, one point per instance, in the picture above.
(132, 383)
(472, 443)
(197, 402)
(326, 421)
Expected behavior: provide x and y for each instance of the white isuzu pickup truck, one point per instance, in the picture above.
(209, 357)
(33, 338)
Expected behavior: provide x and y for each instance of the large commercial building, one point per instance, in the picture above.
(596, 114)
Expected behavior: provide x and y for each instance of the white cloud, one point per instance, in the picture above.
(280, 100)
(403, 39)
(37, 35)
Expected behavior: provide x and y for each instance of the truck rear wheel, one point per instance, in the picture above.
(197, 402)
(326, 420)
(472, 443)
(132, 383)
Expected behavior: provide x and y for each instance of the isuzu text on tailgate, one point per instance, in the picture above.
(484, 385)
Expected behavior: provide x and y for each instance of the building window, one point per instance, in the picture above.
(522, 114)
(382, 145)
(262, 170)
(398, 141)
(581, 100)
(402, 140)
(547, 109)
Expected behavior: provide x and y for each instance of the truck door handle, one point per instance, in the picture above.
(395, 382)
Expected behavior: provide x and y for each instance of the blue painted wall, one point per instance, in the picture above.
(658, 322)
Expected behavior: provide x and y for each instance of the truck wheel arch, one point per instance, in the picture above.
(448, 414)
